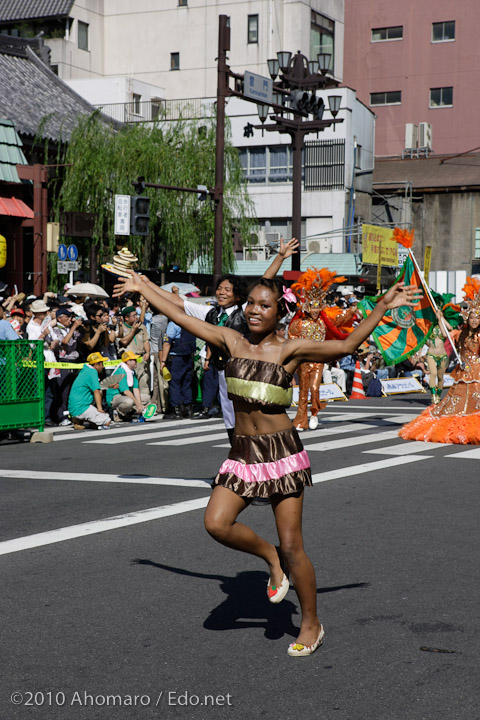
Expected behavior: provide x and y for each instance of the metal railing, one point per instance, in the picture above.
(159, 110)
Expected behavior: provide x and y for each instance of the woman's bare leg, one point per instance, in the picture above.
(221, 523)
(288, 518)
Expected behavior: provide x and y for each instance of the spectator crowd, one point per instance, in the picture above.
(107, 360)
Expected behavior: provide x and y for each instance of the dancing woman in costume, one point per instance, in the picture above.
(456, 419)
(267, 458)
(437, 358)
(315, 321)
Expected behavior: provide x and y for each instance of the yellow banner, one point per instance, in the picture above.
(426, 262)
(67, 365)
(378, 242)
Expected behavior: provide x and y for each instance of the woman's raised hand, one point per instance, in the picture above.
(289, 248)
(130, 284)
(401, 294)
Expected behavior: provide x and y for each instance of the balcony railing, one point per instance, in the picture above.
(159, 110)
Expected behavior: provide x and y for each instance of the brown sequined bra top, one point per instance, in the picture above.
(258, 382)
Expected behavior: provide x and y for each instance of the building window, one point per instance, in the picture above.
(358, 158)
(387, 33)
(441, 97)
(477, 242)
(174, 61)
(267, 165)
(82, 35)
(443, 31)
(182, 3)
(136, 100)
(322, 37)
(252, 36)
(386, 98)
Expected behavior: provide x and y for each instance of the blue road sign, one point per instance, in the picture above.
(72, 253)
(62, 252)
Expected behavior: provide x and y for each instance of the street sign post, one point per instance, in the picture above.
(258, 87)
(72, 253)
(122, 215)
(62, 252)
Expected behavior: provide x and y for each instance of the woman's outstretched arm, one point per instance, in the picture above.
(310, 351)
(217, 335)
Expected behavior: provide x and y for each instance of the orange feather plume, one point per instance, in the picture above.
(471, 287)
(323, 279)
(404, 237)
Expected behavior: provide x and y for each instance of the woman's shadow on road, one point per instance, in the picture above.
(246, 604)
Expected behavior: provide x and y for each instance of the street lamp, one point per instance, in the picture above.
(297, 83)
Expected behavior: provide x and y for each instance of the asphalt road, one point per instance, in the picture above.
(117, 604)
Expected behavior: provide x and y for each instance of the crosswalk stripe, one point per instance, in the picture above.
(324, 431)
(192, 441)
(107, 440)
(351, 441)
(366, 468)
(129, 428)
(104, 478)
(473, 454)
(406, 448)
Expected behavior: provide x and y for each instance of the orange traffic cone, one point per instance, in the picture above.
(358, 393)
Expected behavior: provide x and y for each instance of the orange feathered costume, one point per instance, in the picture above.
(456, 419)
(315, 321)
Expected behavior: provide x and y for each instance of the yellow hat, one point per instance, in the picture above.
(129, 355)
(96, 357)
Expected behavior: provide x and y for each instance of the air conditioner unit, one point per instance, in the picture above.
(272, 237)
(257, 252)
(411, 136)
(425, 136)
(321, 245)
(313, 246)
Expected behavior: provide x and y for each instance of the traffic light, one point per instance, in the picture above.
(139, 215)
(305, 104)
(299, 101)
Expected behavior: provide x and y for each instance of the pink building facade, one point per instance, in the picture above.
(416, 62)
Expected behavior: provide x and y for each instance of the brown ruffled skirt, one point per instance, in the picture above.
(259, 466)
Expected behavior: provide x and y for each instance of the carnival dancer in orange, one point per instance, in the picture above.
(456, 419)
(315, 321)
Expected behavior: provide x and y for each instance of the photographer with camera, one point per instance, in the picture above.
(68, 331)
(99, 335)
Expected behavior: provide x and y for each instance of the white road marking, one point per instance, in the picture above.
(193, 440)
(467, 454)
(405, 448)
(119, 521)
(107, 440)
(366, 468)
(103, 478)
(118, 429)
(307, 435)
(351, 441)
(98, 526)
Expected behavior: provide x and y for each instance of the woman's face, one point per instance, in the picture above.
(473, 321)
(261, 310)
(225, 295)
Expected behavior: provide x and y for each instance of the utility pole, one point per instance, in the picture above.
(222, 92)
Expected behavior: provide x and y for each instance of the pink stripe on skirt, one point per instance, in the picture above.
(259, 472)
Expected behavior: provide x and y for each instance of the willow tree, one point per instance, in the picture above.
(102, 161)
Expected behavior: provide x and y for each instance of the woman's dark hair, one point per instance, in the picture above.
(276, 287)
(91, 308)
(239, 289)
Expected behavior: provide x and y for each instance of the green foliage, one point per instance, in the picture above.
(102, 162)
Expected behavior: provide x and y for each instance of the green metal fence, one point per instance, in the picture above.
(22, 384)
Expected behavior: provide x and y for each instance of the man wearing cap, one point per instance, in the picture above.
(132, 335)
(85, 401)
(126, 399)
(40, 328)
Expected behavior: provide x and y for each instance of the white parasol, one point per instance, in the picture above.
(93, 291)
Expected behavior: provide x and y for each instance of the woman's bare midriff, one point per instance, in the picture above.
(255, 420)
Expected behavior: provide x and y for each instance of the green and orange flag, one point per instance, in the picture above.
(403, 330)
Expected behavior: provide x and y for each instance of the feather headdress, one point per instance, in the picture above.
(404, 237)
(312, 287)
(471, 302)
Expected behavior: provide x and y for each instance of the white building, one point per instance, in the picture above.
(129, 55)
